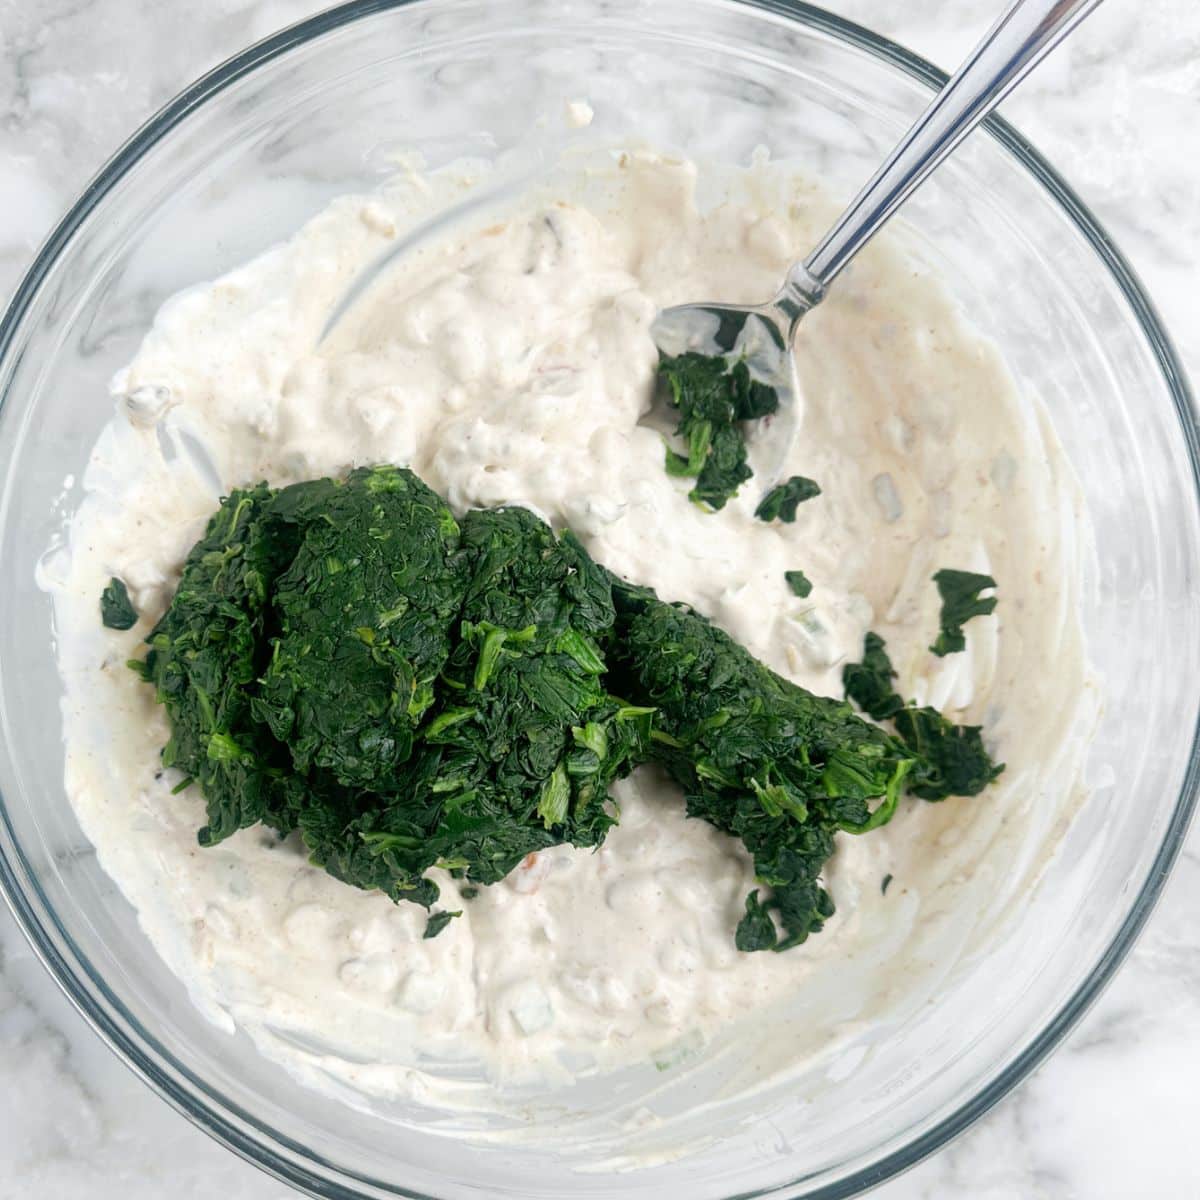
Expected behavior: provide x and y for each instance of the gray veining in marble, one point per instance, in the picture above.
(1113, 1114)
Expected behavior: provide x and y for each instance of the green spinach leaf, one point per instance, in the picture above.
(116, 609)
(782, 501)
(961, 601)
(438, 921)
(869, 683)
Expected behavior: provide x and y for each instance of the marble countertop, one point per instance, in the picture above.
(1113, 1114)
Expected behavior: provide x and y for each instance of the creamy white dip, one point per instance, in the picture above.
(508, 361)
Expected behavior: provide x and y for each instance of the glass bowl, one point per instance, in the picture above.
(241, 158)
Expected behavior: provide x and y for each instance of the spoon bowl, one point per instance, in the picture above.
(762, 335)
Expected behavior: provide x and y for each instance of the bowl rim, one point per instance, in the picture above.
(266, 1147)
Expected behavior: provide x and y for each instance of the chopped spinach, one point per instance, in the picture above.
(713, 400)
(116, 609)
(756, 930)
(438, 921)
(799, 583)
(959, 591)
(346, 660)
(206, 653)
(756, 756)
(869, 683)
(360, 623)
(781, 502)
(883, 887)
(948, 759)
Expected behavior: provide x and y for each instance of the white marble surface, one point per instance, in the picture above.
(1114, 1114)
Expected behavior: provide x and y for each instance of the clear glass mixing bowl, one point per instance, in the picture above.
(241, 158)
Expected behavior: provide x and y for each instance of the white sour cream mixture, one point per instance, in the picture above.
(509, 362)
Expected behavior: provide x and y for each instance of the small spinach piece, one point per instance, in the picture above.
(781, 502)
(799, 583)
(116, 609)
(756, 930)
(438, 921)
(869, 683)
(961, 601)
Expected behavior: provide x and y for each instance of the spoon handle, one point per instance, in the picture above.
(1018, 41)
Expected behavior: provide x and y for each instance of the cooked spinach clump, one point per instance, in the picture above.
(713, 399)
(948, 759)
(347, 661)
(756, 756)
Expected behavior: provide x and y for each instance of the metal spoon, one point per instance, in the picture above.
(764, 333)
